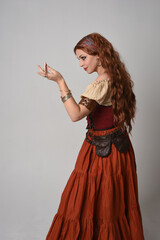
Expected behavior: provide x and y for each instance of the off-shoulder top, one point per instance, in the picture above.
(97, 98)
(98, 91)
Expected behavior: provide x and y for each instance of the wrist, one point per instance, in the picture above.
(60, 81)
(62, 86)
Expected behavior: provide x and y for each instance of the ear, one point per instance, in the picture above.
(98, 61)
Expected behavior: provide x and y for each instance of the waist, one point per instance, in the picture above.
(100, 132)
(104, 139)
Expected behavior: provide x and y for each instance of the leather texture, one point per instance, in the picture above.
(89, 103)
(104, 143)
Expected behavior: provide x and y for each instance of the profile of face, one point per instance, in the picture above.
(88, 62)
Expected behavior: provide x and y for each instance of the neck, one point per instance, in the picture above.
(100, 70)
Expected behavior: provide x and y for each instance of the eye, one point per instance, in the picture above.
(83, 58)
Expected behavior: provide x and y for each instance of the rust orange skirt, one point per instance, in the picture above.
(100, 199)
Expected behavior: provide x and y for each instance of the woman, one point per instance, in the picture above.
(100, 199)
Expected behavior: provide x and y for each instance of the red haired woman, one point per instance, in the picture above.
(100, 200)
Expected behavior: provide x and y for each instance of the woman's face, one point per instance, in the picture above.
(88, 62)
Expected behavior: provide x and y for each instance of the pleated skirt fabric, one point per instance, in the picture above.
(100, 199)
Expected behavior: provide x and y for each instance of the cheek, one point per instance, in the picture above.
(94, 63)
(91, 63)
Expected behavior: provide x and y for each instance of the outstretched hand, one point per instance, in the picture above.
(49, 73)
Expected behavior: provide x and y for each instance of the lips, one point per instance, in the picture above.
(85, 69)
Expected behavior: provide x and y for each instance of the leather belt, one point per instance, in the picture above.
(104, 143)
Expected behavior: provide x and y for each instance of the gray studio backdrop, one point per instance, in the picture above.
(39, 143)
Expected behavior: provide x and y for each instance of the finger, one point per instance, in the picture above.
(42, 74)
(40, 68)
(45, 67)
(51, 69)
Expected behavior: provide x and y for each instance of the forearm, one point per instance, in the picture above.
(73, 109)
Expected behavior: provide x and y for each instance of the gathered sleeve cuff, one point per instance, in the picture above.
(88, 103)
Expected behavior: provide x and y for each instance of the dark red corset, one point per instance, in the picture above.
(101, 118)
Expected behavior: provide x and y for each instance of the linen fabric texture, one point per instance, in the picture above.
(98, 91)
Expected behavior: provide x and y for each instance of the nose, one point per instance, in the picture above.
(81, 63)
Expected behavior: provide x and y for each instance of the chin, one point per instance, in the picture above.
(90, 72)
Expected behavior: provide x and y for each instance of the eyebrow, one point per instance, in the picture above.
(80, 56)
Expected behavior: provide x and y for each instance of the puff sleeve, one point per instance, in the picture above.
(98, 91)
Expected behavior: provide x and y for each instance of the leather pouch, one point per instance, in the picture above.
(121, 142)
(104, 143)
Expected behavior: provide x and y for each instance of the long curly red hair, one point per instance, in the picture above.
(122, 95)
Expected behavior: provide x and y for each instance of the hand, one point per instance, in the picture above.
(52, 75)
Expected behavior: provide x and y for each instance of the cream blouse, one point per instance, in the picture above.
(98, 91)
